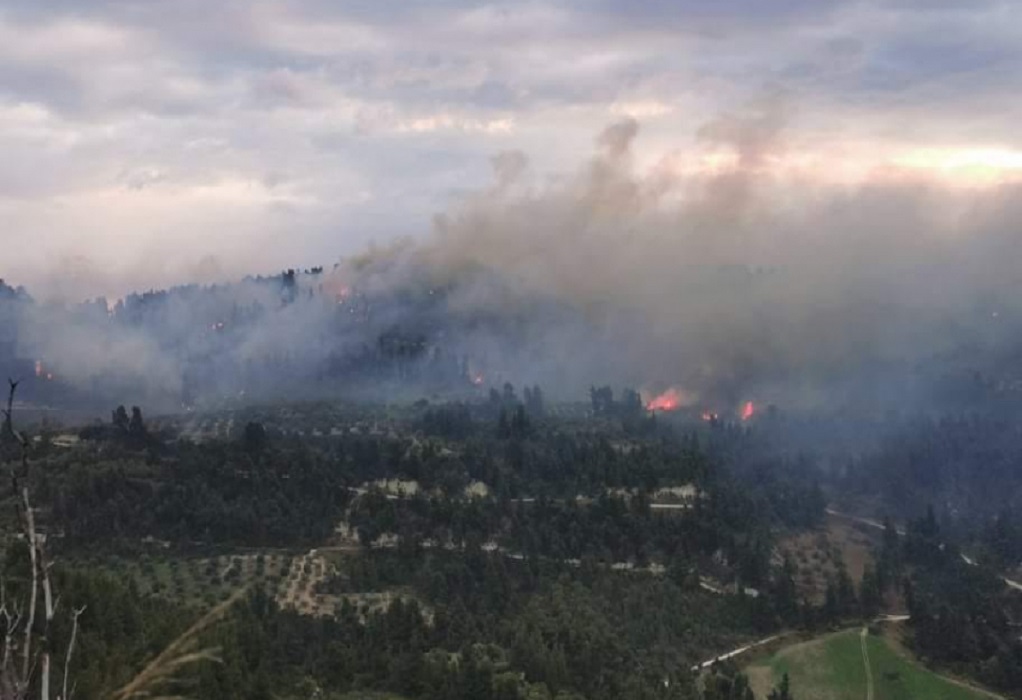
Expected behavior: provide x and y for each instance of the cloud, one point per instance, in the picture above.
(187, 128)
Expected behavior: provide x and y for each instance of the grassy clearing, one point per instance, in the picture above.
(831, 668)
(828, 668)
(898, 678)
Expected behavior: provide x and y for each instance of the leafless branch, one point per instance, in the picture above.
(64, 693)
(30, 535)
(15, 684)
(35, 646)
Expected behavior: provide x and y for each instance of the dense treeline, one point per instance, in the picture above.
(971, 465)
(963, 615)
(219, 492)
(533, 555)
(264, 488)
(483, 629)
(959, 481)
(725, 523)
(507, 590)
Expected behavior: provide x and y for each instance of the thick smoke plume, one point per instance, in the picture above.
(731, 280)
(720, 276)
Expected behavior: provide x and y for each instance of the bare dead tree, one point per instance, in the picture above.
(66, 693)
(26, 645)
(27, 642)
(8, 430)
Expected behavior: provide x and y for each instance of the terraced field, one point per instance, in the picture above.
(294, 580)
(201, 581)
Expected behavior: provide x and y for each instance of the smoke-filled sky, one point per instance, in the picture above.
(146, 143)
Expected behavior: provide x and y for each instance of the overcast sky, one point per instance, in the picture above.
(146, 143)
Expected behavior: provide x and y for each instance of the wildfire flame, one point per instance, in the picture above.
(478, 379)
(748, 410)
(38, 368)
(670, 400)
(709, 416)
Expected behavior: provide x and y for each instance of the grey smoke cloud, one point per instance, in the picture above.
(731, 281)
(145, 138)
(709, 236)
(732, 278)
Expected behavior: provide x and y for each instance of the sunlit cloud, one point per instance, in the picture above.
(641, 109)
(967, 165)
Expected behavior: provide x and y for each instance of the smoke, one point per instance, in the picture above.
(732, 280)
(719, 272)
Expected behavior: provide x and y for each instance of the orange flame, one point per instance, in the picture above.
(38, 368)
(709, 416)
(748, 410)
(670, 400)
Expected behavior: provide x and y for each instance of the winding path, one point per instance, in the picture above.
(865, 660)
(878, 525)
(740, 650)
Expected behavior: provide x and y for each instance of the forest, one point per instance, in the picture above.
(499, 548)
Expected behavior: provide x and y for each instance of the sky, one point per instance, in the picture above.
(147, 143)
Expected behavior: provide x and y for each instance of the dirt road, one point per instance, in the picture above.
(878, 525)
(865, 660)
(731, 654)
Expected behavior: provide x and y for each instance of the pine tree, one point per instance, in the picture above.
(503, 427)
(870, 599)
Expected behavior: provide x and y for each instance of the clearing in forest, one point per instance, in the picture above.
(817, 555)
(832, 668)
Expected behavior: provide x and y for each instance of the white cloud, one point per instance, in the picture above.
(278, 26)
(438, 122)
(65, 39)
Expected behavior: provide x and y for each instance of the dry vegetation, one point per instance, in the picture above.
(817, 554)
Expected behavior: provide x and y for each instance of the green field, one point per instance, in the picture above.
(832, 668)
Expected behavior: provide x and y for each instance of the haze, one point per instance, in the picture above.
(554, 350)
(149, 144)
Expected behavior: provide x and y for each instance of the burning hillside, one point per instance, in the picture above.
(700, 281)
(748, 411)
(670, 400)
